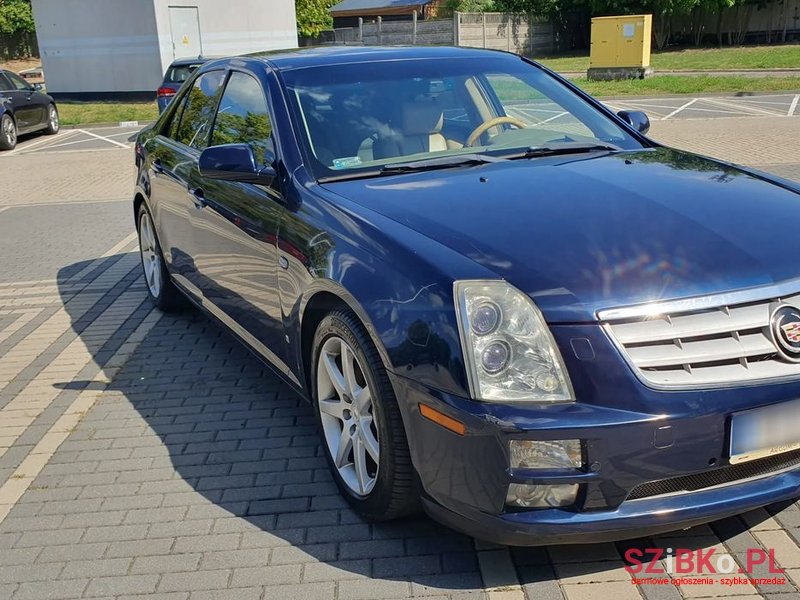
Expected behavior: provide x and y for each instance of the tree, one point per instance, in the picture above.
(535, 8)
(451, 6)
(16, 16)
(313, 16)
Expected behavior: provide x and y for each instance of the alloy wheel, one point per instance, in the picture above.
(9, 131)
(347, 415)
(53, 118)
(151, 261)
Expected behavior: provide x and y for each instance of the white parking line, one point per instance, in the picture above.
(47, 150)
(62, 144)
(61, 203)
(22, 478)
(680, 108)
(127, 241)
(743, 108)
(553, 118)
(21, 149)
(793, 106)
(107, 139)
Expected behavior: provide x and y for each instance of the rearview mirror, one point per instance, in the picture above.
(637, 119)
(236, 162)
(38, 87)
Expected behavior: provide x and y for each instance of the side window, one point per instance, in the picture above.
(5, 84)
(243, 117)
(172, 128)
(198, 111)
(18, 82)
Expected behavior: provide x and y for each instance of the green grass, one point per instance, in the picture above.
(688, 84)
(744, 57)
(110, 112)
(85, 113)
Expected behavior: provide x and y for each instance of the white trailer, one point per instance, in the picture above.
(95, 49)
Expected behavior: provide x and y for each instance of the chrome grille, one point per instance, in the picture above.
(693, 343)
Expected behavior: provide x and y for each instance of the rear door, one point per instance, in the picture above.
(29, 109)
(236, 233)
(173, 164)
(5, 92)
(184, 24)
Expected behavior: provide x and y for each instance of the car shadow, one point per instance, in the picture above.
(248, 445)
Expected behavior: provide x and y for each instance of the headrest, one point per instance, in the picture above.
(422, 118)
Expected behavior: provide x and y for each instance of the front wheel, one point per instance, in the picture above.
(161, 290)
(8, 133)
(53, 123)
(360, 421)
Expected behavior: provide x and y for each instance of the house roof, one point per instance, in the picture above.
(376, 7)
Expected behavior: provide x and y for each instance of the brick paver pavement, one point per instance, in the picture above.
(150, 456)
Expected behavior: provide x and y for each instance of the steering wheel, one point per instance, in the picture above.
(487, 125)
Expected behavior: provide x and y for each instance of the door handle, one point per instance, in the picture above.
(198, 197)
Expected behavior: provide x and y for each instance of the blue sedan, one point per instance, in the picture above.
(508, 306)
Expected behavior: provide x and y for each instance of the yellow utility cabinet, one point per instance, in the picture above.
(621, 46)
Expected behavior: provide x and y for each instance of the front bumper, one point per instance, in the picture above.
(465, 478)
(631, 519)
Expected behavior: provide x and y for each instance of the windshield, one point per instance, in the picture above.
(363, 117)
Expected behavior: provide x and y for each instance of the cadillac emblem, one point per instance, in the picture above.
(785, 331)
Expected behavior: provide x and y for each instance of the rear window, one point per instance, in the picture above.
(181, 73)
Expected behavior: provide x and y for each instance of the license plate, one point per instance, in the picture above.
(763, 432)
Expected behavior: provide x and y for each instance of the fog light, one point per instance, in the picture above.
(549, 454)
(541, 496)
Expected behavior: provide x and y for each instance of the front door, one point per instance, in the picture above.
(184, 24)
(29, 109)
(173, 164)
(236, 231)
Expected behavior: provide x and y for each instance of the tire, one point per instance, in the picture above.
(53, 122)
(8, 133)
(162, 292)
(387, 487)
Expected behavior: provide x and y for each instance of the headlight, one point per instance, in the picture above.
(509, 351)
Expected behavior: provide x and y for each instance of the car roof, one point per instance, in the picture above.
(197, 60)
(283, 60)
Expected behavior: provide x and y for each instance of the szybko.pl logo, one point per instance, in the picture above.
(688, 567)
(660, 561)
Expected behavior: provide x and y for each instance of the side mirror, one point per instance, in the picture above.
(236, 162)
(637, 119)
(38, 87)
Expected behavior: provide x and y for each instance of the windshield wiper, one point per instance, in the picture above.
(442, 162)
(563, 148)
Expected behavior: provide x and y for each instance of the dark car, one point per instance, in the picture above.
(24, 109)
(506, 304)
(178, 72)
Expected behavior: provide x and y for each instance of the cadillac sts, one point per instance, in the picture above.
(506, 304)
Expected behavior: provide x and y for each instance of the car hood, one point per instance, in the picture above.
(582, 234)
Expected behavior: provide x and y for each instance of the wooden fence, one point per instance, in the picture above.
(500, 31)
(505, 31)
(438, 32)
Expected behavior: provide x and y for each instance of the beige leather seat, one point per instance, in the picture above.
(420, 131)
